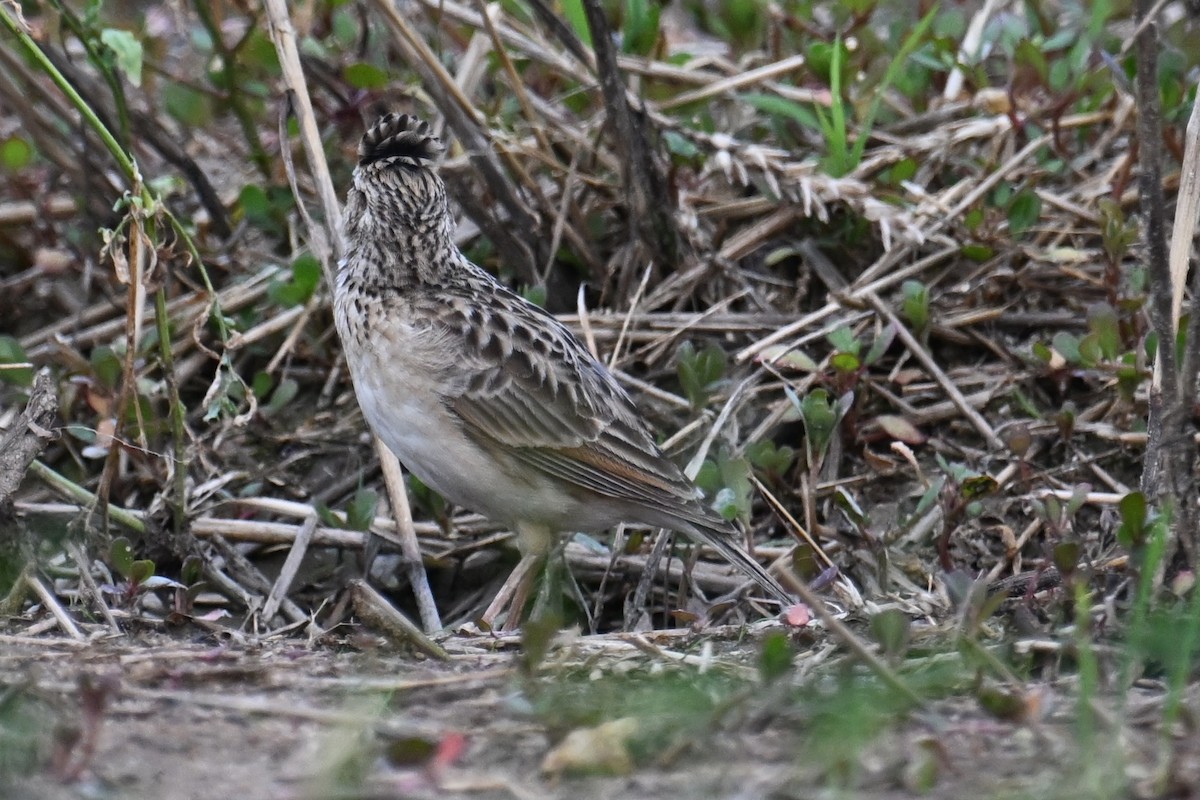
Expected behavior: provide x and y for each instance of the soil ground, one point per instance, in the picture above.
(202, 720)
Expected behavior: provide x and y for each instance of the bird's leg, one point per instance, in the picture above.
(514, 593)
(549, 597)
(535, 541)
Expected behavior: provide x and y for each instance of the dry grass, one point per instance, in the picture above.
(687, 213)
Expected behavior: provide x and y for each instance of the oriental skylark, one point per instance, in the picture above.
(485, 397)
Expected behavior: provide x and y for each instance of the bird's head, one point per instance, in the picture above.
(396, 191)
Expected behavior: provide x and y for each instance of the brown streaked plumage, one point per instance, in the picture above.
(485, 397)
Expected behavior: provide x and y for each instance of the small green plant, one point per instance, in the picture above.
(848, 362)
(770, 460)
(138, 574)
(726, 480)
(360, 511)
(1104, 349)
(775, 656)
(16, 153)
(639, 26)
(740, 22)
(821, 414)
(700, 372)
(1024, 210)
(266, 208)
(428, 500)
(914, 306)
(843, 157)
(306, 274)
(892, 629)
(192, 583)
(960, 492)
(1135, 526)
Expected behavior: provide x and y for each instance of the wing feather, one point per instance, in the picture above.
(541, 396)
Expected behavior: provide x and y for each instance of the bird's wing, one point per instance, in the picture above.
(533, 389)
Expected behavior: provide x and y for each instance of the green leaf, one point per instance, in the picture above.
(306, 274)
(770, 459)
(258, 51)
(892, 629)
(120, 555)
(845, 363)
(902, 170)
(880, 345)
(699, 372)
(978, 486)
(915, 305)
(577, 18)
(1066, 556)
(1078, 498)
(284, 393)
(742, 18)
(535, 294)
(12, 353)
(973, 219)
(1102, 321)
(106, 365)
(254, 204)
(82, 433)
(1090, 353)
(843, 340)
(362, 75)
(819, 413)
(426, 498)
(1129, 377)
(262, 384)
(326, 516)
(191, 107)
(850, 507)
(726, 504)
(127, 50)
(639, 34)
(679, 145)
(977, 252)
(929, 497)
(15, 153)
(361, 511)
(709, 477)
(1133, 528)
(775, 657)
(727, 480)
(141, 570)
(191, 571)
(1023, 212)
(1067, 345)
(780, 107)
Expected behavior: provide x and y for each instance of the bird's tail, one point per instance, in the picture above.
(723, 539)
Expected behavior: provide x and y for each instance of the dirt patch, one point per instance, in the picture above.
(277, 719)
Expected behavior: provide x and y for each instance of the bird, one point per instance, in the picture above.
(486, 397)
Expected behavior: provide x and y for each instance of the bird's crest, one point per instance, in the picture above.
(398, 135)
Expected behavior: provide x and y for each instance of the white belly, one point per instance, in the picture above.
(402, 387)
